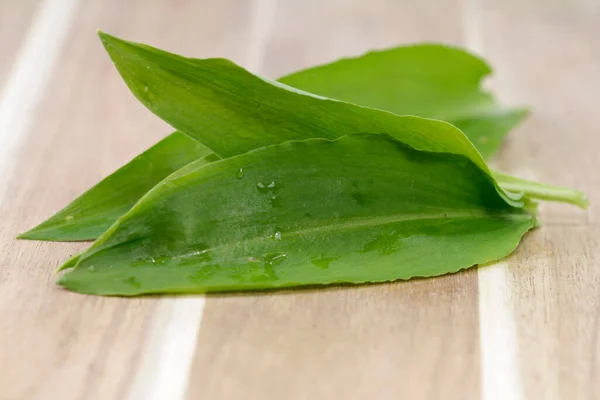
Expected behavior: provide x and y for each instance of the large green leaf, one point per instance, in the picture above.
(232, 111)
(428, 80)
(363, 208)
(92, 213)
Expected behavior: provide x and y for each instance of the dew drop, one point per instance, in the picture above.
(277, 235)
(152, 260)
(69, 217)
(91, 268)
(275, 258)
(265, 187)
(240, 173)
(145, 88)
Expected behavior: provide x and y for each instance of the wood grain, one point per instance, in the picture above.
(417, 339)
(56, 344)
(548, 55)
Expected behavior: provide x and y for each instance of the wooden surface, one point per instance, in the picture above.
(527, 328)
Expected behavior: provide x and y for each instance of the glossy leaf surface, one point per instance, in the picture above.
(428, 80)
(365, 208)
(232, 111)
(92, 213)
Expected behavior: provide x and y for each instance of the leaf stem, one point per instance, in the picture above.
(541, 191)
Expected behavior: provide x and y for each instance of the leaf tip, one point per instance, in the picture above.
(104, 37)
(112, 44)
(32, 234)
(70, 263)
(24, 236)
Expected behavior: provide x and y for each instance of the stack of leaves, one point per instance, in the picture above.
(367, 169)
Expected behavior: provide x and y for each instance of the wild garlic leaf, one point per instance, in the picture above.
(366, 208)
(96, 210)
(428, 80)
(232, 111)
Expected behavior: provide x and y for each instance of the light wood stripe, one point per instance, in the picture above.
(15, 20)
(500, 370)
(164, 370)
(28, 76)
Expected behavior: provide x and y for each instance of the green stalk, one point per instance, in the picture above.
(540, 191)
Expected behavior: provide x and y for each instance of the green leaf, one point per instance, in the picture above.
(428, 80)
(92, 213)
(232, 111)
(363, 208)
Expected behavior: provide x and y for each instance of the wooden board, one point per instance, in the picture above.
(525, 328)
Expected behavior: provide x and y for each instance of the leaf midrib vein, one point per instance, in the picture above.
(360, 222)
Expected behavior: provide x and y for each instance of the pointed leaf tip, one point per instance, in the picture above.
(104, 37)
(113, 44)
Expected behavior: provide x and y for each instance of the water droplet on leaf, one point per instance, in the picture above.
(91, 268)
(275, 258)
(265, 187)
(240, 173)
